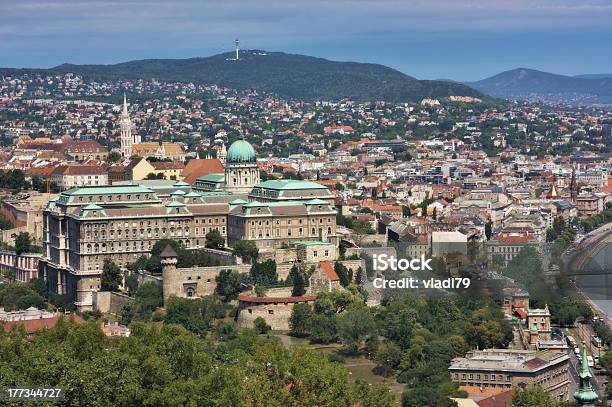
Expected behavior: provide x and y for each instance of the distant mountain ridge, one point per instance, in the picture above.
(524, 83)
(287, 75)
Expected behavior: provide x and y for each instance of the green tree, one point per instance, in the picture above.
(229, 284)
(131, 283)
(23, 243)
(113, 157)
(111, 276)
(534, 397)
(247, 250)
(388, 358)
(343, 274)
(196, 315)
(300, 319)
(260, 326)
(264, 273)
(298, 284)
(214, 240)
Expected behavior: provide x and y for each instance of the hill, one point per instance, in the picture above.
(287, 75)
(594, 76)
(523, 83)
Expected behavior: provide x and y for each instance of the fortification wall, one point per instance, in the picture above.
(195, 281)
(107, 301)
(276, 314)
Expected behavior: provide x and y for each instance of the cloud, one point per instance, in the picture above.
(47, 32)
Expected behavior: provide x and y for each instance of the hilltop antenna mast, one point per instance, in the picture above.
(237, 48)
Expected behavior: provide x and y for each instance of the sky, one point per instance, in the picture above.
(428, 39)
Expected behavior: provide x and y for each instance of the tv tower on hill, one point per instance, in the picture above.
(237, 48)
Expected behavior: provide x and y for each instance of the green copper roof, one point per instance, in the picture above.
(179, 192)
(241, 151)
(119, 189)
(286, 184)
(214, 177)
(238, 201)
(316, 201)
(174, 204)
(180, 184)
(92, 207)
(192, 194)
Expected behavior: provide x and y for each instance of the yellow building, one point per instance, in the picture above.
(140, 168)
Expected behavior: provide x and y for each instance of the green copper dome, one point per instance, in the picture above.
(241, 151)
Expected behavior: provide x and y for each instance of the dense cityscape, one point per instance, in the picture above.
(187, 242)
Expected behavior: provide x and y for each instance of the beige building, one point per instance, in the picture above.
(274, 224)
(513, 369)
(25, 213)
(191, 282)
(84, 226)
(275, 308)
(324, 279)
(140, 168)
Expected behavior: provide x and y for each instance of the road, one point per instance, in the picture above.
(598, 381)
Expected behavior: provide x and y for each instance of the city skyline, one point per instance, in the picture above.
(454, 40)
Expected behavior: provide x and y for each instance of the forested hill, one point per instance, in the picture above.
(286, 75)
(523, 83)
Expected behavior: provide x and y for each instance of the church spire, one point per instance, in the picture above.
(573, 186)
(125, 107)
(585, 395)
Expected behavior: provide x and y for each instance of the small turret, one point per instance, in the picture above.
(585, 395)
(169, 259)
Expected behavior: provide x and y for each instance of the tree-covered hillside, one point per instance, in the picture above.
(287, 75)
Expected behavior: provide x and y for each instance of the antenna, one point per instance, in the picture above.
(237, 48)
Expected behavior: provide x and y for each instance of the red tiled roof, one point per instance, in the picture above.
(79, 170)
(167, 165)
(34, 325)
(511, 239)
(85, 146)
(199, 167)
(269, 300)
(329, 271)
(497, 400)
(475, 391)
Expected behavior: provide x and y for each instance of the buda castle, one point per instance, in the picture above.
(84, 226)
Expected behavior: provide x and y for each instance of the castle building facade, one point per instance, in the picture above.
(84, 226)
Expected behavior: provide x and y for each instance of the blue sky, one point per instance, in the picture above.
(428, 39)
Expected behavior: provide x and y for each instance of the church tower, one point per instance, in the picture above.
(126, 130)
(573, 187)
(125, 125)
(222, 155)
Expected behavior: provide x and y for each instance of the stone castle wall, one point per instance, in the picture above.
(194, 281)
(275, 311)
(107, 301)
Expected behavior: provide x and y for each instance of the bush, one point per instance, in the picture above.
(260, 325)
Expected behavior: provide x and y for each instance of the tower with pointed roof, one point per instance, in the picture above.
(573, 187)
(222, 155)
(585, 395)
(127, 139)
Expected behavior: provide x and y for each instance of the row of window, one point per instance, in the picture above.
(109, 198)
(289, 221)
(151, 233)
(259, 233)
